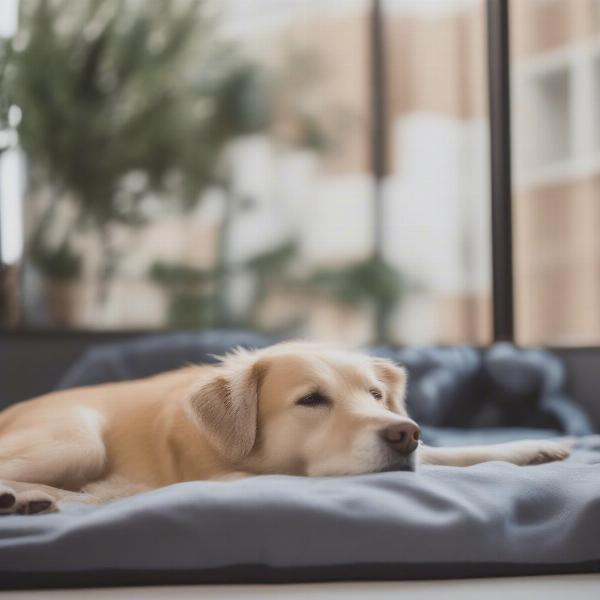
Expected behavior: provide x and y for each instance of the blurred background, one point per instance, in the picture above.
(296, 167)
(291, 166)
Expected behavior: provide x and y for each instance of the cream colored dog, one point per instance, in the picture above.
(294, 408)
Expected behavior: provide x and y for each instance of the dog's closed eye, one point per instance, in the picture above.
(377, 394)
(314, 399)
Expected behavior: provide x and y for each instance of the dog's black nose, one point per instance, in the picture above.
(403, 436)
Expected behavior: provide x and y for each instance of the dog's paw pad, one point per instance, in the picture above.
(28, 502)
(34, 507)
(7, 500)
(34, 502)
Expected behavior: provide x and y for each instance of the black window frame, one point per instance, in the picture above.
(498, 55)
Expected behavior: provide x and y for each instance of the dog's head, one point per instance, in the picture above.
(302, 409)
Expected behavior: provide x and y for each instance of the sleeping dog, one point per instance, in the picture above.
(294, 408)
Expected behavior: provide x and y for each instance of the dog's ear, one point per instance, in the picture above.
(226, 406)
(395, 378)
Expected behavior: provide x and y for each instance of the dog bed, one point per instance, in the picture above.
(490, 519)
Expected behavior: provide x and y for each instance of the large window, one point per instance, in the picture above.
(556, 158)
(198, 164)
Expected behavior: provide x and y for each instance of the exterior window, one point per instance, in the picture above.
(556, 159)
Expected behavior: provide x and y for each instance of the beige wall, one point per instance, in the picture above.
(542, 25)
(557, 259)
(437, 64)
(434, 64)
(465, 318)
(340, 44)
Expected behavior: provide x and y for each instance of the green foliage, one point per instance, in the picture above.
(110, 89)
(168, 275)
(274, 261)
(4, 101)
(270, 270)
(190, 293)
(187, 287)
(242, 102)
(59, 264)
(190, 310)
(372, 281)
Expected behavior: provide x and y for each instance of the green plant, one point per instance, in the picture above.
(121, 100)
(369, 283)
(57, 264)
(269, 270)
(186, 285)
(168, 275)
(364, 282)
(190, 310)
(190, 293)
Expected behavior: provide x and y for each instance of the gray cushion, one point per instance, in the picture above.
(490, 519)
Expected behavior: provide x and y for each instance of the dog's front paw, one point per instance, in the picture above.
(536, 452)
(25, 502)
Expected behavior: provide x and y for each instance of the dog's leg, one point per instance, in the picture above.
(66, 454)
(522, 452)
(112, 488)
(17, 497)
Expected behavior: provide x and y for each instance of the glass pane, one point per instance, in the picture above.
(437, 211)
(556, 155)
(210, 164)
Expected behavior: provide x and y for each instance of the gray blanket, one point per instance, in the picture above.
(490, 519)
